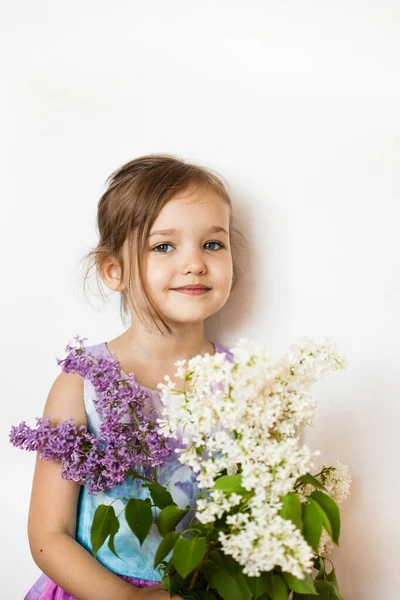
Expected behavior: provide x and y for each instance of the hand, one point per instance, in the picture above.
(157, 592)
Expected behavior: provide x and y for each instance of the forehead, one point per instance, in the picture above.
(199, 204)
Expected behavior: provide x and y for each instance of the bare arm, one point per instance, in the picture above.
(52, 516)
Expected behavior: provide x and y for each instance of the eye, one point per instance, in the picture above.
(168, 244)
(160, 246)
(215, 242)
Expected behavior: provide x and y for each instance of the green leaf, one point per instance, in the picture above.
(104, 523)
(219, 566)
(139, 517)
(169, 518)
(266, 576)
(327, 590)
(216, 557)
(188, 554)
(208, 569)
(279, 589)
(257, 585)
(324, 518)
(191, 595)
(114, 527)
(321, 573)
(292, 509)
(312, 525)
(243, 584)
(200, 450)
(165, 547)
(308, 478)
(165, 581)
(175, 583)
(197, 594)
(227, 586)
(230, 483)
(161, 497)
(302, 586)
(230, 564)
(331, 510)
(331, 577)
(208, 596)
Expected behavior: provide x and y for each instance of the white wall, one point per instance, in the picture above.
(296, 104)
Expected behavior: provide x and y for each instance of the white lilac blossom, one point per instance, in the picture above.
(244, 417)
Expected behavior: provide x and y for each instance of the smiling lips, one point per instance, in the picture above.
(192, 290)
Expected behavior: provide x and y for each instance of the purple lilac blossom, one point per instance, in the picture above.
(127, 439)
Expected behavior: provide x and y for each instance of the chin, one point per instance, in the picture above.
(188, 316)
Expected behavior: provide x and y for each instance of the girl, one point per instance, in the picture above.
(167, 245)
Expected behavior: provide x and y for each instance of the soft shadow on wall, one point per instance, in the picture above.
(231, 320)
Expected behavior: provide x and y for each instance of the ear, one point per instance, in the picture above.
(110, 272)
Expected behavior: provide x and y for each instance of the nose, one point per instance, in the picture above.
(193, 262)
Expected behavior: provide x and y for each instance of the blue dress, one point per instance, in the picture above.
(135, 562)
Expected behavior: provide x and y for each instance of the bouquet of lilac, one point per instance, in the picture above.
(263, 521)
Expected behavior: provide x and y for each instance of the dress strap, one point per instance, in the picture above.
(220, 348)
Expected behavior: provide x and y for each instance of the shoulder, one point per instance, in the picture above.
(66, 398)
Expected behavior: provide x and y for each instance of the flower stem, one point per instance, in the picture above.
(137, 476)
(197, 571)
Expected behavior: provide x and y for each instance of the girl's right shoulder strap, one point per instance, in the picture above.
(220, 348)
(89, 394)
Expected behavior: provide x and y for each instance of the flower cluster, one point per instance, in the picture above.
(128, 439)
(244, 417)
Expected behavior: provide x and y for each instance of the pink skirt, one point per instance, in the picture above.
(46, 589)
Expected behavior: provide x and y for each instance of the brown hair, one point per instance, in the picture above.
(136, 193)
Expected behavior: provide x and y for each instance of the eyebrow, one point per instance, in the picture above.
(213, 229)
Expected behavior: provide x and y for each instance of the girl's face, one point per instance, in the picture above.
(194, 253)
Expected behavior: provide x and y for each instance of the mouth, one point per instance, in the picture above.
(193, 291)
(192, 287)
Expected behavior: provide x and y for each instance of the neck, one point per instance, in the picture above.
(152, 346)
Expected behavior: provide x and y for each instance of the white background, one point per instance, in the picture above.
(296, 104)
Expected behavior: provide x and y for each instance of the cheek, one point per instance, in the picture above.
(226, 271)
(157, 274)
